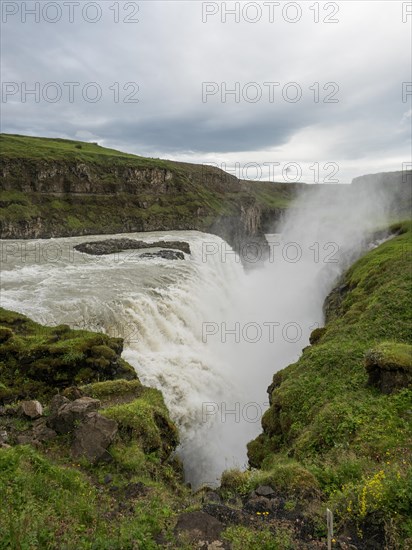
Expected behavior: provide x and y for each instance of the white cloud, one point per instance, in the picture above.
(170, 52)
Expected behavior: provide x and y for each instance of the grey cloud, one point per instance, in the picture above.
(171, 52)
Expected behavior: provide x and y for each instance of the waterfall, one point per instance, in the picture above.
(205, 332)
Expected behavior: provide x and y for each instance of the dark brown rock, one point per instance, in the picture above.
(388, 372)
(93, 436)
(164, 254)
(73, 392)
(265, 491)
(199, 527)
(316, 335)
(260, 505)
(111, 246)
(225, 514)
(388, 380)
(41, 432)
(57, 402)
(71, 414)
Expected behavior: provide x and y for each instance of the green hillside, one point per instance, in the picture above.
(61, 188)
(340, 422)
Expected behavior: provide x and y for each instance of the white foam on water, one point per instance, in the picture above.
(214, 383)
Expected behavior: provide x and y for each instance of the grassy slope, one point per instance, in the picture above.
(48, 500)
(329, 439)
(327, 428)
(15, 146)
(198, 189)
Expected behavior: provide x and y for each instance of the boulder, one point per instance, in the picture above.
(112, 246)
(389, 367)
(4, 436)
(32, 409)
(41, 432)
(72, 393)
(260, 505)
(26, 439)
(211, 496)
(57, 402)
(93, 436)
(71, 413)
(265, 491)
(200, 527)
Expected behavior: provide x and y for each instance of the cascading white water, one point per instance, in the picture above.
(203, 331)
(158, 306)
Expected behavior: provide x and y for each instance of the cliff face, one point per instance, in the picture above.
(73, 176)
(59, 188)
(397, 186)
(43, 176)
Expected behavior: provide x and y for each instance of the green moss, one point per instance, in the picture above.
(287, 477)
(234, 482)
(13, 197)
(36, 361)
(73, 223)
(147, 420)
(113, 389)
(323, 413)
(246, 538)
(391, 355)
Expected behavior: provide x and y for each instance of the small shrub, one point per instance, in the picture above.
(235, 481)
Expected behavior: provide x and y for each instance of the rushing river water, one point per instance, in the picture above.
(204, 331)
(192, 328)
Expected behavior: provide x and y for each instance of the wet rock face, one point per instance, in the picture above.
(129, 195)
(164, 254)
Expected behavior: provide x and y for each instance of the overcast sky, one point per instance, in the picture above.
(324, 95)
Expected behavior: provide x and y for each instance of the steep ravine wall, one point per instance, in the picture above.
(44, 199)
